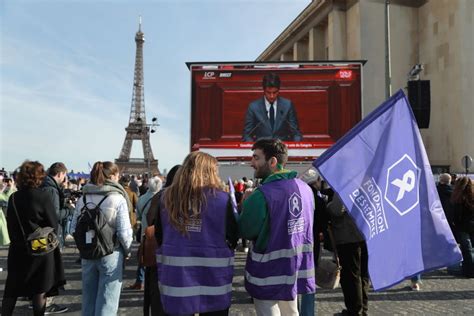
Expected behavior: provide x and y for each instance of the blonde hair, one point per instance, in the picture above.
(185, 196)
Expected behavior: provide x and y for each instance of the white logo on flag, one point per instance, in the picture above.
(368, 200)
(406, 184)
(402, 188)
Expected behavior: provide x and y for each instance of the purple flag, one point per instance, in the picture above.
(233, 200)
(382, 174)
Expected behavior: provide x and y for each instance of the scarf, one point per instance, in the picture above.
(108, 187)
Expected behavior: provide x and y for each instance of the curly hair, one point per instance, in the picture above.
(31, 175)
(463, 192)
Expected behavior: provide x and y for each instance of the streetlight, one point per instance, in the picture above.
(154, 124)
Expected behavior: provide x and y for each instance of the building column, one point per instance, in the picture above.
(287, 56)
(300, 50)
(337, 35)
(316, 44)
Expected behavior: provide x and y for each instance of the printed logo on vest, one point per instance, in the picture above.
(194, 225)
(402, 186)
(295, 206)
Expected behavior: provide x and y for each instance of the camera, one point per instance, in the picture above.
(72, 196)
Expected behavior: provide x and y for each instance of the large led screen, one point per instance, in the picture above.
(314, 105)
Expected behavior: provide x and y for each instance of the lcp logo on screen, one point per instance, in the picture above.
(402, 189)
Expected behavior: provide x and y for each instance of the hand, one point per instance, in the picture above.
(247, 193)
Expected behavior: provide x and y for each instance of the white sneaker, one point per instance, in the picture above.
(69, 237)
(246, 249)
(415, 287)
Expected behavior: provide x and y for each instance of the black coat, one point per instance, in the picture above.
(464, 218)
(28, 275)
(445, 191)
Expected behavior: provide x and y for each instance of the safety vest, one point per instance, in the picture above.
(195, 271)
(286, 267)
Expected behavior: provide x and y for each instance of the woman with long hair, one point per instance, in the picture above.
(463, 204)
(152, 301)
(31, 276)
(102, 278)
(199, 232)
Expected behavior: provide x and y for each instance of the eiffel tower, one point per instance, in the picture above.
(137, 128)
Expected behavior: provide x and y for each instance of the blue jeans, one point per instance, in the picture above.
(102, 284)
(466, 241)
(306, 307)
(416, 278)
(140, 279)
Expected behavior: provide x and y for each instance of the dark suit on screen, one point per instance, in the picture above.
(257, 124)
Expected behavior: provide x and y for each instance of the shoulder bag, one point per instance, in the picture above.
(40, 242)
(146, 252)
(328, 271)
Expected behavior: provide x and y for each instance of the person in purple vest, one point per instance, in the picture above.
(278, 218)
(195, 259)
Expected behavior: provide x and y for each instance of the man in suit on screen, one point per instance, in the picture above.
(271, 116)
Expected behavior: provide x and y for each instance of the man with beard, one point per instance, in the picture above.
(52, 183)
(278, 218)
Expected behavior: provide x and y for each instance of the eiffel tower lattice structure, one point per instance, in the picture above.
(137, 128)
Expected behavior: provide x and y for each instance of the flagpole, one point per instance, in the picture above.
(388, 68)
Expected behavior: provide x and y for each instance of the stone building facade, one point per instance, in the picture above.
(438, 34)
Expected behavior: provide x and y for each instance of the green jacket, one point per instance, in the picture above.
(254, 221)
(4, 196)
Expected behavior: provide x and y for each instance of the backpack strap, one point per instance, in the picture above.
(146, 204)
(98, 204)
(19, 221)
(97, 229)
(103, 199)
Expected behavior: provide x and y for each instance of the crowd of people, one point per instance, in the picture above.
(188, 228)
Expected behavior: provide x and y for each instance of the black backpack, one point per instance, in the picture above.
(94, 237)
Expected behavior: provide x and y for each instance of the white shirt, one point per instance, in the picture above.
(268, 105)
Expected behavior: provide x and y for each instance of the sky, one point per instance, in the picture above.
(66, 71)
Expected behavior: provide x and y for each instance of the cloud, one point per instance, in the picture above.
(67, 71)
(57, 106)
(48, 130)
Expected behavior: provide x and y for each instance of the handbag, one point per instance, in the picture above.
(328, 271)
(147, 250)
(40, 242)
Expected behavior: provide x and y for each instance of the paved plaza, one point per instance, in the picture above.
(441, 294)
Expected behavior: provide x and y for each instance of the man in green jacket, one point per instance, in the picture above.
(278, 218)
(254, 220)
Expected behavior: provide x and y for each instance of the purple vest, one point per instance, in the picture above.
(195, 271)
(286, 267)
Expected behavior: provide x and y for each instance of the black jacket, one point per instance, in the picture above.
(28, 275)
(445, 191)
(54, 191)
